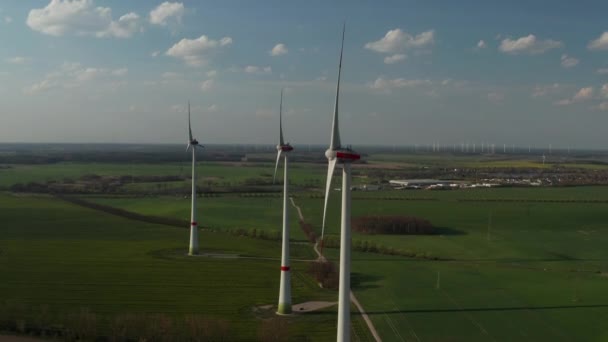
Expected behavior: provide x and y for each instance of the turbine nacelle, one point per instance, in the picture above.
(284, 148)
(342, 155)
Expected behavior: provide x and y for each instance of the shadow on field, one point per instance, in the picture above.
(362, 281)
(448, 231)
(513, 308)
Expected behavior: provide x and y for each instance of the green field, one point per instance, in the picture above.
(536, 271)
(514, 263)
(67, 258)
(214, 172)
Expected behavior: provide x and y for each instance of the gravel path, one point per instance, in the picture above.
(354, 299)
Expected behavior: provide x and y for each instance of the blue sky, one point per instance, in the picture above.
(504, 72)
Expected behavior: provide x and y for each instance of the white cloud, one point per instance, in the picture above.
(496, 96)
(396, 40)
(71, 75)
(207, 85)
(211, 73)
(540, 91)
(155, 53)
(167, 12)
(584, 94)
(563, 102)
(386, 85)
(603, 106)
(602, 71)
(252, 69)
(264, 113)
(195, 51)
(120, 72)
(568, 62)
(169, 75)
(604, 91)
(125, 27)
(7, 19)
(481, 44)
(392, 59)
(600, 43)
(18, 60)
(212, 109)
(278, 50)
(528, 45)
(81, 17)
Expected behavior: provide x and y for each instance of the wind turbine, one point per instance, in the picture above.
(284, 307)
(345, 156)
(193, 144)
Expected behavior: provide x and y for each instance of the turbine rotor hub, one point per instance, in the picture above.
(285, 148)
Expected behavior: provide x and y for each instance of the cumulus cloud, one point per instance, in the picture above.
(7, 19)
(481, 44)
(603, 106)
(207, 85)
(387, 85)
(528, 45)
(600, 43)
(568, 62)
(166, 13)
(542, 90)
(397, 40)
(253, 69)
(278, 50)
(81, 17)
(602, 71)
(496, 96)
(264, 113)
(195, 52)
(604, 91)
(396, 58)
(71, 75)
(584, 94)
(18, 60)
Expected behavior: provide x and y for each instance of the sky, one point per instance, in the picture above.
(414, 72)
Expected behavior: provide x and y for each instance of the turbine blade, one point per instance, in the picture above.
(281, 141)
(188, 147)
(276, 167)
(335, 129)
(189, 125)
(330, 172)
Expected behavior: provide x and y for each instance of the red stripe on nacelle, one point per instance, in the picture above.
(285, 268)
(286, 148)
(347, 155)
(193, 224)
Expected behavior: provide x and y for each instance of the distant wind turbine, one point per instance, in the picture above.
(193, 144)
(336, 153)
(285, 286)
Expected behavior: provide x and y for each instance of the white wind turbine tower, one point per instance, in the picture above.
(336, 153)
(193, 144)
(284, 306)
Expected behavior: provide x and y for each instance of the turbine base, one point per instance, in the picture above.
(284, 309)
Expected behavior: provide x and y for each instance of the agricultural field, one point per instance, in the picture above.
(66, 258)
(506, 263)
(533, 257)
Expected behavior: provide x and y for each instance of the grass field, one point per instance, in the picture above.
(215, 172)
(516, 263)
(539, 273)
(67, 257)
